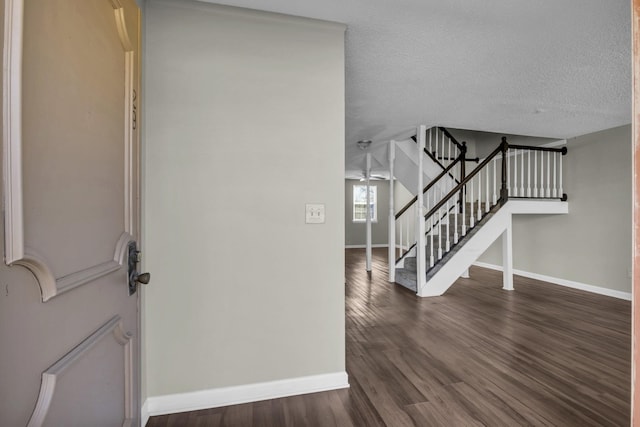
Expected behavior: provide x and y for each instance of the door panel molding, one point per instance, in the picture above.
(51, 286)
(12, 134)
(15, 251)
(130, 111)
(51, 375)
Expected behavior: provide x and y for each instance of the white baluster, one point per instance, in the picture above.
(542, 174)
(471, 211)
(431, 230)
(479, 195)
(548, 175)
(486, 195)
(401, 235)
(508, 173)
(522, 173)
(439, 227)
(430, 146)
(528, 173)
(435, 152)
(515, 173)
(495, 180)
(448, 244)
(535, 174)
(464, 208)
(411, 213)
(455, 224)
(555, 188)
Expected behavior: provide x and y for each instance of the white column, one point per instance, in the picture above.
(392, 215)
(368, 181)
(421, 259)
(507, 257)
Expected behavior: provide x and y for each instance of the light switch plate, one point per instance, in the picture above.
(314, 213)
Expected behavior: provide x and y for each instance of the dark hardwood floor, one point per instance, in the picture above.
(542, 355)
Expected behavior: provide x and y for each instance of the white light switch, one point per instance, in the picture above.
(314, 213)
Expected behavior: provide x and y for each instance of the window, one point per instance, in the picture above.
(360, 203)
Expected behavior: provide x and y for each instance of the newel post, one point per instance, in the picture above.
(504, 191)
(463, 173)
(392, 215)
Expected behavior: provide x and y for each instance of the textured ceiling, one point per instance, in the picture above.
(550, 68)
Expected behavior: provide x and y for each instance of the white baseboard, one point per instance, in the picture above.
(381, 245)
(144, 413)
(213, 398)
(562, 282)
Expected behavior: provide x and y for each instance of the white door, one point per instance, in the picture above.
(69, 342)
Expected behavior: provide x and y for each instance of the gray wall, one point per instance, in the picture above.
(355, 232)
(592, 244)
(245, 125)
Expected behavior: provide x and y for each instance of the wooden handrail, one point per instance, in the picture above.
(562, 150)
(474, 159)
(435, 160)
(502, 148)
(431, 184)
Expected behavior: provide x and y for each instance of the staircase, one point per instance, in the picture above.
(406, 275)
(466, 212)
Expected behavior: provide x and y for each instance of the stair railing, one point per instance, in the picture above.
(510, 171)
(535, 172)
(474, 207)
(432, 193)
(440, 147)
(454, 208)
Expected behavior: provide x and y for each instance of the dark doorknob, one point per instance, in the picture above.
(143, 278)
(134, 276)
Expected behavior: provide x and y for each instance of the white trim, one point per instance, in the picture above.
(380, 245)
(12, 135)
(562, 282)
(144, 413)
(213, 398)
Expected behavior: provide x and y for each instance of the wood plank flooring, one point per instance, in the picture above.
(542, 355)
